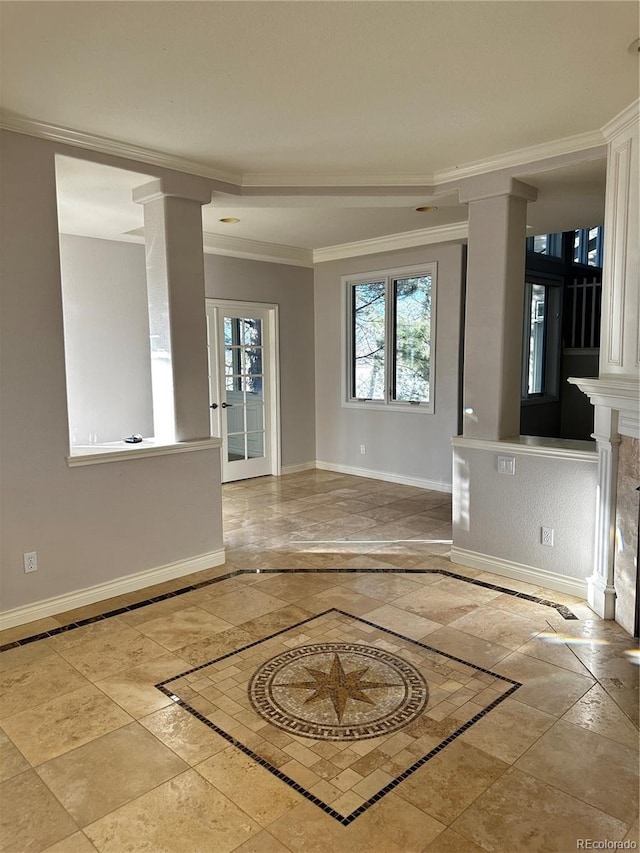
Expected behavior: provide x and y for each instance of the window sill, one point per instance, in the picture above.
(370, 405)
(116, 451)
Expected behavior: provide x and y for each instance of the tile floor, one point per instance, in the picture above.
(520, 733)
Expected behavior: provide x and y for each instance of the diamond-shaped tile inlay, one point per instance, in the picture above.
(336, 704)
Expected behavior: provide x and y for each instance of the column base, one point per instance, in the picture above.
(601, 598)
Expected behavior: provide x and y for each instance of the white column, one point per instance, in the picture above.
(494, 305)
(177, 318)
(615, 392)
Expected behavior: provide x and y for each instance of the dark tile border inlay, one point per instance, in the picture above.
(348, 819)
(562, 609)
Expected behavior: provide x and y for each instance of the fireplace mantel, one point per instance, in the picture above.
(622, 394)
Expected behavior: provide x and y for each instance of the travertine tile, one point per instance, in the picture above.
(100, 776)
(544, 686)
(497, 626)
(597, 712)
(135, 690)
(254, 789)
(183, 627)
(586, 765)
(36, 682)
(408, 624)
(392, 825)
(12, 761)
(508, 730)
(184, 734)
(186, 813)
(121, 650)
(76, 843)
(64, 723)
(519, 812)
(31, 818)
(451, 781)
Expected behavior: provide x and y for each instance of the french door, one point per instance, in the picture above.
(243, 375)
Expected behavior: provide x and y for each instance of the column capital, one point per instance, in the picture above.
(493, 185)
(188, 187)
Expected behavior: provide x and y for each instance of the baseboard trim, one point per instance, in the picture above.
(294, 469)
(519, 571)
(417, 482)
(102, 591)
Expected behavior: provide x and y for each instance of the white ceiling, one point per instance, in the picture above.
(320, 93)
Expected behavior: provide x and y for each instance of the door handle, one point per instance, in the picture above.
(213, 406)
(227, 405)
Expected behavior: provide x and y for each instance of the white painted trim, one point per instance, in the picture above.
(625, 119)
(392, 242)
(256, 250)
(275, 180)
(519, 571)
(102, 591)
(294, 469)
(621, 394)
(522, 156)
(531, 446)
(115, 147)
(97, 454)
(417, 482)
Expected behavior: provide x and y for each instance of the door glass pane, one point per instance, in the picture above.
(412, 339)
(236, 447)
(255, 417)
(231, 330)
(368, 333)
(255, 445)
(537, 317)
(252, 333)
(252, 360)
(253, 387)
(235, 418)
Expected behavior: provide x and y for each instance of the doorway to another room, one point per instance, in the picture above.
(243, 386)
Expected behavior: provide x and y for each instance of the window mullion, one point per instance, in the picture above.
(390, 352)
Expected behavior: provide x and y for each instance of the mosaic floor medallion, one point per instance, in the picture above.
(338, 691)
(340, 709)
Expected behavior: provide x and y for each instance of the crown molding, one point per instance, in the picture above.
(241, 247)
(392, 242)
(256, 250)
(522, 156)
(623, 121)
(105, 145)
(306, 183)
(313, 181)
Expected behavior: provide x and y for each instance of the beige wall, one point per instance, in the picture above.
(93, 524)
(403, 444)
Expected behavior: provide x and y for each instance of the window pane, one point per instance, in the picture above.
(368, 335)
(537, 319)
(540, 243)
(412, 338)
(252, 331)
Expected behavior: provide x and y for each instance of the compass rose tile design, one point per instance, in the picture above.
(339, 708)
(338, 691)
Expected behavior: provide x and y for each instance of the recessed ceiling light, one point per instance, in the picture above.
(425, 209)
(230, 220)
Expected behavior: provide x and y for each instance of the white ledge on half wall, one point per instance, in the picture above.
(532, 445)
(620, 393)
(116, 451)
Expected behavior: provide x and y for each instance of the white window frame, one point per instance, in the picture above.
(388, 275)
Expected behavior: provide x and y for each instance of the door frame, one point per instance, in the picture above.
(273, 354)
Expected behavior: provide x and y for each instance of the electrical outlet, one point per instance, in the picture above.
(31, 561)
(507, 465)
(546, 536)
(363, 449)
